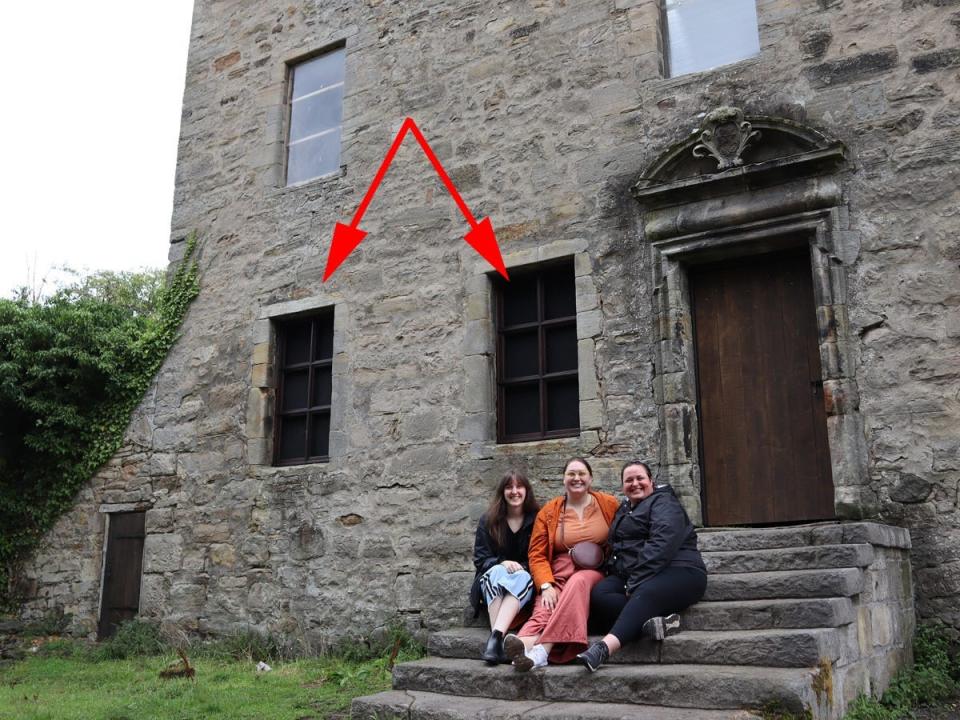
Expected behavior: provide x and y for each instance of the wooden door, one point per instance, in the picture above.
(122, 570)
(763, 434)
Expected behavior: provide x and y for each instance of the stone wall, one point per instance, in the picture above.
(544, 112)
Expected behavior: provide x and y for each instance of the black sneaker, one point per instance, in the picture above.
(660, 627)
(594, 656)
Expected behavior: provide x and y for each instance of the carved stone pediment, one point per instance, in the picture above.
(731, 151)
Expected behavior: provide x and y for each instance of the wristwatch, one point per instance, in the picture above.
(545, 586)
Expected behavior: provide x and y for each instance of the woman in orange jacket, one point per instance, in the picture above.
(557, 629)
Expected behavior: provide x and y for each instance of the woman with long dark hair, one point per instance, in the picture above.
(503, 581)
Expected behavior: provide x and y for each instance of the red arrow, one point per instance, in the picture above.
(346, 237)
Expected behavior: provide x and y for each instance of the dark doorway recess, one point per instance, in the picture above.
(763, 432)
(122, 571)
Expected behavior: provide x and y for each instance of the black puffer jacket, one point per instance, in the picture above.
(486, 554)
(654, 534)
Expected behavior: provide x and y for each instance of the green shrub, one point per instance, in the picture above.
(72, 369)
(931, 680)
(249, 644)
(132, 638)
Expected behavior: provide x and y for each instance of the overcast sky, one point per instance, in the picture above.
(91, 115)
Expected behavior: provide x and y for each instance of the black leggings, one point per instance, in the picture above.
(669, 591)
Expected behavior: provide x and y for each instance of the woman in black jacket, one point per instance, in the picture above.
(655, 567)
(503, 581)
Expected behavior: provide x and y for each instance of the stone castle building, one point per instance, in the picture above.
(732, 247)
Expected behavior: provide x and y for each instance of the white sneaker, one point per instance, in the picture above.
(535, 657)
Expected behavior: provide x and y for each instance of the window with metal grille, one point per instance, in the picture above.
(704, 34)
(316, 113)
(305, 385)
(537, 387)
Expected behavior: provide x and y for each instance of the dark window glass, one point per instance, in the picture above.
(522, 409)
(561, 348)
(537, 387)
(295, 390)
(520, 301)
(305, 390)
(559, 294)
(322, 386)
(521, 354)
(293, 436)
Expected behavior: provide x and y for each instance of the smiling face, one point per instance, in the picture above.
(514, 493)
(576, 479)
(636, 483)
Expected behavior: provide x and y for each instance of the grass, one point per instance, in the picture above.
(933, 680)
(120, 680)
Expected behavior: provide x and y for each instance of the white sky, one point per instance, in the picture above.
(90, 120)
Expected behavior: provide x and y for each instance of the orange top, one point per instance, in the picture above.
(571, 529)
(543, 539)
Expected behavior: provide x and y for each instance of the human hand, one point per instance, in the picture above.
(512, 566)
(550, 597)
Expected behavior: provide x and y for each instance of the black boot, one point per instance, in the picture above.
(661, 627)
(594, 656)
(493, 652)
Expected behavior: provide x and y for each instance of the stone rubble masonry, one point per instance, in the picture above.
(548, 112)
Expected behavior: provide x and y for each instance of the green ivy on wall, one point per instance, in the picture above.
(73, 368)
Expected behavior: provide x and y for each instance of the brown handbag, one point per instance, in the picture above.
(587, 555)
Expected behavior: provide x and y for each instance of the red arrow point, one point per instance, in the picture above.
(482, 239)
(345, 239)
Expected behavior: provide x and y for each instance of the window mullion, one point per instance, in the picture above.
(542, 353)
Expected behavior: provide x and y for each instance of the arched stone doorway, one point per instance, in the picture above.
(745, 220)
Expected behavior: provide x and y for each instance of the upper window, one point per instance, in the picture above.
(537, 387)
(303, 396)
(704, 34)
(316, 111)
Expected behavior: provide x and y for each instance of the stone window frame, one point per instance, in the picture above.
(477, 427)
(261, 396)
(741, 210)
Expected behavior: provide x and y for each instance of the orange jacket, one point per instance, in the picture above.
(540, 555)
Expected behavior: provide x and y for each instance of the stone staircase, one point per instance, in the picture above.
(799, 619)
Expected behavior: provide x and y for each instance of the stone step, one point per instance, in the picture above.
(771, 648)
(417, 705)
(833, 582)
(768, 614)
(829, 533)
(792, 558)
(690, 686)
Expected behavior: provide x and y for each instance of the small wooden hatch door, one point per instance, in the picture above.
(122, 571)
(765, 457)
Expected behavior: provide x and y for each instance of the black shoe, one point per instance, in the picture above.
(594, 656)
(493, 652)
(660, 627)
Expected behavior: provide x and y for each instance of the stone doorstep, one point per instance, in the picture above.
(792, 558)
(827, 533)
(783, 584)
(417, 705)
(748, 614)
(768, 614)
(689, 686)
(767, 648)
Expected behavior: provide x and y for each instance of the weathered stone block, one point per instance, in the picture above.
(936, 60)
(853, 68)
(162, 552)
